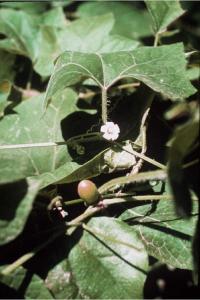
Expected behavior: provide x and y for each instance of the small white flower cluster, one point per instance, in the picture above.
(110, 131)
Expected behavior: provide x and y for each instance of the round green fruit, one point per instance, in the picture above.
(88, 191)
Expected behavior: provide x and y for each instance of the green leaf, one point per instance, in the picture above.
(49, 49)
(27, 284)
(130, 22)
(61, 283)
(184, 139)
(156, 67)
(20, 31)
(54, 18)
(29, 7)
(23, 30)
(93, 35)
(16, 204)
(106, 264)
(163, 13)
(28, 126)
(165, 236)
(87, 35)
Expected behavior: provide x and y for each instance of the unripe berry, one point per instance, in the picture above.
(88, 191)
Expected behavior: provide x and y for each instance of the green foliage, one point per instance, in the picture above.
(130, 22)
(143, 64)
(16, 204)
(163, 13)
(111, 262)
(66, 69)
(19, 282)
(166, 237)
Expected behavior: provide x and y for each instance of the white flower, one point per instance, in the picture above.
(111, 131)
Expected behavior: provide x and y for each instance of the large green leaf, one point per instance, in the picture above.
(158, 68)
(163, 13)
(23, 30)
(16, 204)
(130, 22)
(106, 264)
(26, 284)
(87, 35)
(21, 33)
(93, 35)
(165, 236)
(28, 126)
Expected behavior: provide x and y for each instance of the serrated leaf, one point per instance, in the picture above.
(16, 204)
(130, 22)
(163, 13)
(103, 267)
(157, 67)
(26, 284)
(165, 236)
(22, 128)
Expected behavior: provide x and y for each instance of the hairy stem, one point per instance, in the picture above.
(104, 105)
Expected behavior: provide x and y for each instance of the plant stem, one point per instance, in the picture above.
(150, 160)
(144, 157)
(191, 163)
(156, 40)
(79, 138)
(72, 202)
(139, 177)
(104, 105)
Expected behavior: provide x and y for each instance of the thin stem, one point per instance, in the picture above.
(150, 160)
(144, 157)
(104, 105)
(72, 202)
(138, 198)
(156, 40)
(108, 202)
(90, 211)
(139, 177)
(79, 138)
(191, 163)
(32, 145)
(127, 85)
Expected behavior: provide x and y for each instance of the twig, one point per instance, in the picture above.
(143, 129)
